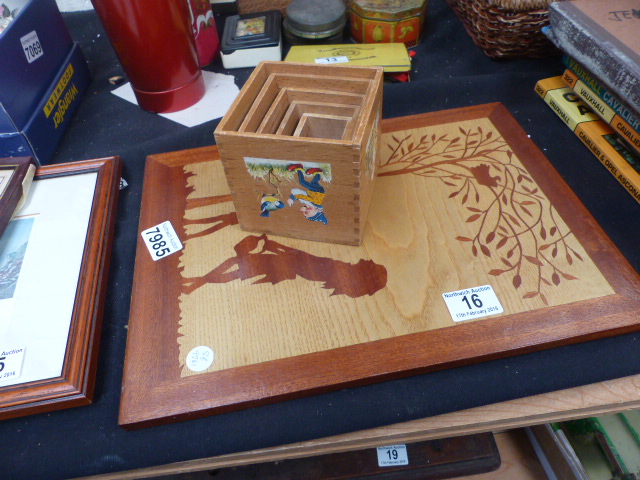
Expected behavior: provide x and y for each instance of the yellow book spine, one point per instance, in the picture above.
(602, 143)
(626, 132)
(546, 84)
(607, 113)
(565, 102)
(595, 133)
(570, 78)
(595, 102)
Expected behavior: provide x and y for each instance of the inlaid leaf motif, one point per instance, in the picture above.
(507, 209)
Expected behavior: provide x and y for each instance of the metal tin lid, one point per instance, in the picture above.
(315, 18)
(388, 9)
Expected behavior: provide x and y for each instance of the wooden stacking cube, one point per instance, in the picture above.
(299, 148)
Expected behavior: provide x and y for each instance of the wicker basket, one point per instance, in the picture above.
(252, 6)
(507, 28)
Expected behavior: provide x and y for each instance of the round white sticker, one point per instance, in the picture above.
(199, 359)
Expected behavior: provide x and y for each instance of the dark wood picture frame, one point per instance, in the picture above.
(75, 386)
(154, 391)
(12, 192)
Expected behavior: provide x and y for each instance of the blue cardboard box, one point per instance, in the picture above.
(32, 48)
(43, 130)
(43, 75)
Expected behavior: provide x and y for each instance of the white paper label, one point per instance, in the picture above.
(199, 359)
(161, 240)
(392, 456)
(472, 303)
(31, 46)
(341, 59)
(11, 363)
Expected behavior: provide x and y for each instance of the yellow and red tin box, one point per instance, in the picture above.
(387, 21)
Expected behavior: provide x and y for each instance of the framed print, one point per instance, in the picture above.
(474, 249)
(54, 260)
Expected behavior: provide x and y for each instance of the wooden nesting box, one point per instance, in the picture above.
(299, 148)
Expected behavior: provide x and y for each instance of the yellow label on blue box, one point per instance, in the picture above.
(57, 93)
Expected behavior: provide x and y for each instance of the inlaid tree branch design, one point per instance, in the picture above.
(514, 222)
(264, 260)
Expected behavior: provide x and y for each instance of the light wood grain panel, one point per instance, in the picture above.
(324, 126)
(297, 109)
(419, 250)
(262, 102)
(243, 103)
(267, 93)
(274, 115)
(361, 73)
(519, 460)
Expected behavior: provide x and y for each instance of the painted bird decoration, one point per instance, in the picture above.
(268, 204)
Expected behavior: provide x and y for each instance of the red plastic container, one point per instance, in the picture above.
(156, 47)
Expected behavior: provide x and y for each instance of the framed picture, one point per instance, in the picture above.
(54, 259)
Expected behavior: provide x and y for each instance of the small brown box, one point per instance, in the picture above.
(299, 147)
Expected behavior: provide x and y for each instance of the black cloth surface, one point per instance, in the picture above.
(449, 71)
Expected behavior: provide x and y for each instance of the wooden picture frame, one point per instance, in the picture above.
(155, 391)
(74, 386)
(16, 175)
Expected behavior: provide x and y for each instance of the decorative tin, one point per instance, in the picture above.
(388, 21)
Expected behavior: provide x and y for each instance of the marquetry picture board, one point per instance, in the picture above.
(474, 249)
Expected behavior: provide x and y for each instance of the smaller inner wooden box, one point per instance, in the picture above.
(299, 147)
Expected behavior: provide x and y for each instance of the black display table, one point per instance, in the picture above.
(449, 71)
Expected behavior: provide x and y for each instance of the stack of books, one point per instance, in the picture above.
(598, 95)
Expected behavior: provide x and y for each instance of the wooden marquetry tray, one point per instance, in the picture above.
(466, 211)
